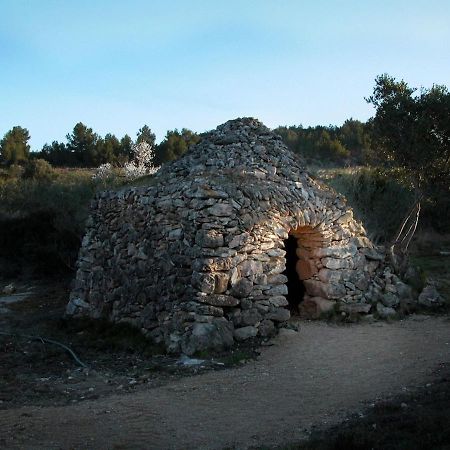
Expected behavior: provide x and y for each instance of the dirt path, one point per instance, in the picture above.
(314, 377)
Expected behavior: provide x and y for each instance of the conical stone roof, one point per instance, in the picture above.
(196, 260)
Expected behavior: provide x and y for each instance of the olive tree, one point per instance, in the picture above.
(411, 132)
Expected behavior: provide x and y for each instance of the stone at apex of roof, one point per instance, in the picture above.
(243, 146)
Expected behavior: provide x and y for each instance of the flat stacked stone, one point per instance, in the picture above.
(196, 260)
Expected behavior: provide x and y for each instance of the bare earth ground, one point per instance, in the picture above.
(306, 380)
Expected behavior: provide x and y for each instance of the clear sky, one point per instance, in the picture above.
(117, 65)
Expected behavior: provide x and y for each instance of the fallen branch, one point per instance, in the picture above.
(48, 341)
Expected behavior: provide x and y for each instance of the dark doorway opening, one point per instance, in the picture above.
(296, 289)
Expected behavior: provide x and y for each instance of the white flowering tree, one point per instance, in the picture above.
(141, 164)
(142, 161)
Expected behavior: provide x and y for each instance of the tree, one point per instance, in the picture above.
(141, 162)
(145, 135)
(82, 143)
(106, 150)
(174, 145)
(354, 136)
(126, 150)
(14, 145)
(411, 131)
(57, 154)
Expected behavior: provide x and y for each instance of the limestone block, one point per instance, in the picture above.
(390, 300)
(333, 263)
(244, 333)
(362, 282)
(277, 278)
(175, 234)
(221, 300)
(280, 289)
(372, 254)
(303, 253)
(242, 288)
(234, 276)
(385, 311)
(404, 291)
(306, 268)
(345, 218)
(251, 316)
(217, 335)
(261, 279)
(430, 297)
(335, 251)
(250, 268)
(316, 288)
(278, 300)
(316, 306)
(362, 241)
(209, 238)
(204, 282)
(327, 275)
(279, 315)
(209, 310)
(276, 252)
(266, 328)
(239, 240)
(221, 282)
(221, 210)
(274, 266)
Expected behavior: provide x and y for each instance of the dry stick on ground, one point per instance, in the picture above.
(48, 341)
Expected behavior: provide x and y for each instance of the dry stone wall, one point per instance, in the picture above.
(196, 260)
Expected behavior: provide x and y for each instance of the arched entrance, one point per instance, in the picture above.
(301, 262)
(296, 289)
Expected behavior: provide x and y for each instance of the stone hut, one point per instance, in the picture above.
(223, 245)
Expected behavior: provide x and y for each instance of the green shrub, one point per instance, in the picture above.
(38, 169)
(42, 223)
(377, 198)
(14, 171)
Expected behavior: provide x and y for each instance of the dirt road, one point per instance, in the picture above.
(314, 377)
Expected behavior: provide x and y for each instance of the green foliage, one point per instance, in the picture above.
(38, 169)
(412, 131)
(87, 149)
(57, 154)
(145, 135)
(13, 171)
(377, 197)
(329, 145)
(14, 145)
(42, 221)
(126, 150)
(82, 143)
(174, 145)
(107, 150)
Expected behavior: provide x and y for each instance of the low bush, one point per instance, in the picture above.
(38, 169)
(377, 198)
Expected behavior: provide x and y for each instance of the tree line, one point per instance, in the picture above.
(347, 144)
(85, 148)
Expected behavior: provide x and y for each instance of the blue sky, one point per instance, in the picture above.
(116, 65)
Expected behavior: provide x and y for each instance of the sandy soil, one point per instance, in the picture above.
(313, 378)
